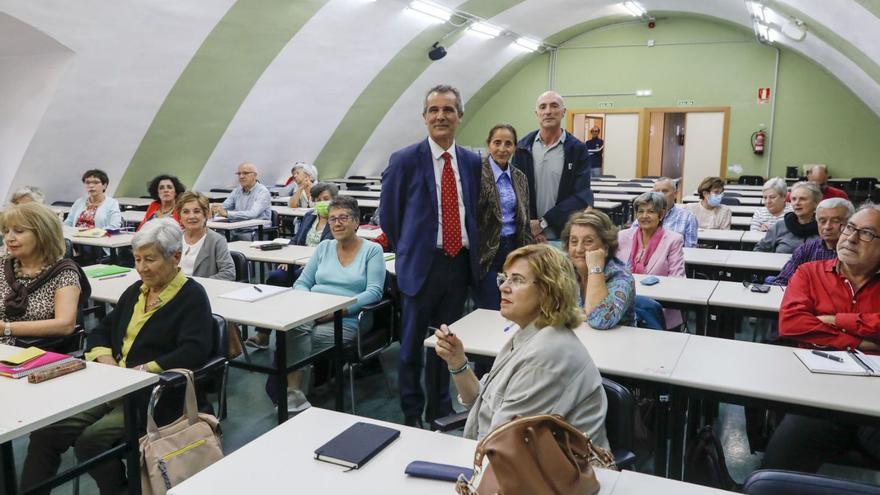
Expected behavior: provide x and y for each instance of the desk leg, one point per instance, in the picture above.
(7, 460)
(340, 359)
(132, 456)
(661, 449)
(281, 373)
(679, 425)
(702, 315)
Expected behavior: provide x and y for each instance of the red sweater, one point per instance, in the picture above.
(151, 210)
(818, 289)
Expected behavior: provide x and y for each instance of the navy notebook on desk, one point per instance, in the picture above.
(356, 445)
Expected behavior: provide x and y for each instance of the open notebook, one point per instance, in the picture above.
(853, 362)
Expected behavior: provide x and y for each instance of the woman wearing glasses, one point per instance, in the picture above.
(95, 209)
(607, 289)
(346, 266)
(543, 368)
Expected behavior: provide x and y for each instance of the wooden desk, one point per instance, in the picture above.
(743, 210)
(216, 196)
(286, 211)
(128, 202)
(39, 405)
(720, 236)
(374, 187)
(740, 222)
(369, 234)
(688, 294)
(281, 312)
(288, 254)
(745, 200)
(757, 261)
(227, 226)
(356, 182)
(112, 243)
(744, 187)
(132, 216)
(731, 301)
(289, 450)
(752, 237)
(620, 189)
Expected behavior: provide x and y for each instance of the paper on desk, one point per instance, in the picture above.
(277, 240)
(849, 366)
(251, 294)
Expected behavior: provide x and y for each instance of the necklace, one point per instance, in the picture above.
(19, 271)
(164, 212)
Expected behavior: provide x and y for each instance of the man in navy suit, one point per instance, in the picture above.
(428, 213)
(555, 162)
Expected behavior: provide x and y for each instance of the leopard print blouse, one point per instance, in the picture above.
(41, 303)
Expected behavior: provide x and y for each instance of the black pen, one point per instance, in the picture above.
(258, 289)
(828, 356)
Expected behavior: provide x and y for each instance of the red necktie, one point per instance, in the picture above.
(449, 208)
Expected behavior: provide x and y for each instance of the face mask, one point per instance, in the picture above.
(715, 199)
(322, 208)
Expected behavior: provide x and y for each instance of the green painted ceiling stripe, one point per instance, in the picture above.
(210, 90)
(872, 6)
(847, 49)
(397, 76)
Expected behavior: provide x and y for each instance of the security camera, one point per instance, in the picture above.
(437, 52)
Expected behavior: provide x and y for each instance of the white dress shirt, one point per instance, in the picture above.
(437, 154)
(189, 255)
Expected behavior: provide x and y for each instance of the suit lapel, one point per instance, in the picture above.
(427, 169)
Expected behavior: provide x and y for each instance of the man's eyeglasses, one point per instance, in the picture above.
(339, 219)
(864, 234)
(514, 281)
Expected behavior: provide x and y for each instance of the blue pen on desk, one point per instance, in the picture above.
(827, 356)
(258, 289)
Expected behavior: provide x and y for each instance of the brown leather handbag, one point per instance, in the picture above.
(536, 455)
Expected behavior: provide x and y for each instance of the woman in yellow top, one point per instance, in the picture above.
(162, 321)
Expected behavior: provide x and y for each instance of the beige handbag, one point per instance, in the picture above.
(181, 449)
(536, 455)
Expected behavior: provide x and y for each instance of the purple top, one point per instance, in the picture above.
(814, 250)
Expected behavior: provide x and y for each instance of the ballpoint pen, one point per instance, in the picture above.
(827, 356)
(258, 289)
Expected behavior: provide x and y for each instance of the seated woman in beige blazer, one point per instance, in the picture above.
(543, 368)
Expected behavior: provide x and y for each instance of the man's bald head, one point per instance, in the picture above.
(550, 109)
(247, 175)
(818, 175)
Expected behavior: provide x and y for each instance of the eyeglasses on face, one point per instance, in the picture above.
(514, 281)
(339, 219)
(864, 234)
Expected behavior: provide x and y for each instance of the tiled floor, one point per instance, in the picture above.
(251, 414)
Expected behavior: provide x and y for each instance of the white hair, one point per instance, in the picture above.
(164, 233)
(812, 188)
(827, 204)
(34, 192)
(307, 168)
(777, 184)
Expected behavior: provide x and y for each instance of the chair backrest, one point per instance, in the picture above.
(729, 200)
(629, 184)
(221, 336)
(62, 203)
(643, 180)
(733, 194)
(620, 415)
(608, 176)
(859, 183)
(773, 482)
(68, 248)
(242, 271)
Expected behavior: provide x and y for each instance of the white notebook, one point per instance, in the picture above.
(854, 363)
(253, 293)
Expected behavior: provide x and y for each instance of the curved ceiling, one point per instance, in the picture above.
(341, 88)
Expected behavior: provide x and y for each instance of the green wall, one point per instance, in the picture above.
(713, 64)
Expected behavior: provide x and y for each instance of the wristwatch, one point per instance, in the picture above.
(595, 269)
(7, 330)
(543, 223)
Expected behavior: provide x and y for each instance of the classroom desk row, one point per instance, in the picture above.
(29, 407)
(695, 367)
(280, 312)
(289, 449)
(730, 238)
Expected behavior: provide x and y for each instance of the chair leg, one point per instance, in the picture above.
(351, 386)
(221, 396)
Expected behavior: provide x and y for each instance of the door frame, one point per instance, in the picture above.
(644, 136)
(641, 137)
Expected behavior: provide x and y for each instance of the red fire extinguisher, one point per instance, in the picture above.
(758, 138)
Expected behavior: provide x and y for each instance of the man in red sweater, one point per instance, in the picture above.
(832, 304)
(819, 175)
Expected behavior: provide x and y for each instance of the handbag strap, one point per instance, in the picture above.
(190, 407)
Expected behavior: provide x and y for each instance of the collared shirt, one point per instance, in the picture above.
(506, 197)
(763, 218)
(549, 162)
(249, 205)
(139, 317)
(814, 250)
(437, 154)
(819, 288)
(679, 220)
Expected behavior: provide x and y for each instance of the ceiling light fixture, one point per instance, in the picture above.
(431, 10)
(756, 11)
(528, 44)
(485, 28)
(634, 8)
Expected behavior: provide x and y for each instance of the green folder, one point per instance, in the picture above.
(105, 271)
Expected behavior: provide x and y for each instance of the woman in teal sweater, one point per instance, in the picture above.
(346, 266)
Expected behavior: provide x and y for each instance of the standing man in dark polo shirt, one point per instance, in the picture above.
(555, 163)
(595, 152)
(429, 215)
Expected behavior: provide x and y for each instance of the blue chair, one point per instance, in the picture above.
(773, 482)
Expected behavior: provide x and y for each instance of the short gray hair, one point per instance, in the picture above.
(670, 180)
(827, 204)
(655, 200)
(308, 168)
(777, 184)
(812, 188)
(34, 192)
(868, 205)
(444, 88)
(164, 233)
(320, 187)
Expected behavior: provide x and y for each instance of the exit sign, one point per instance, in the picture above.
(606, 104)
(685, 103)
